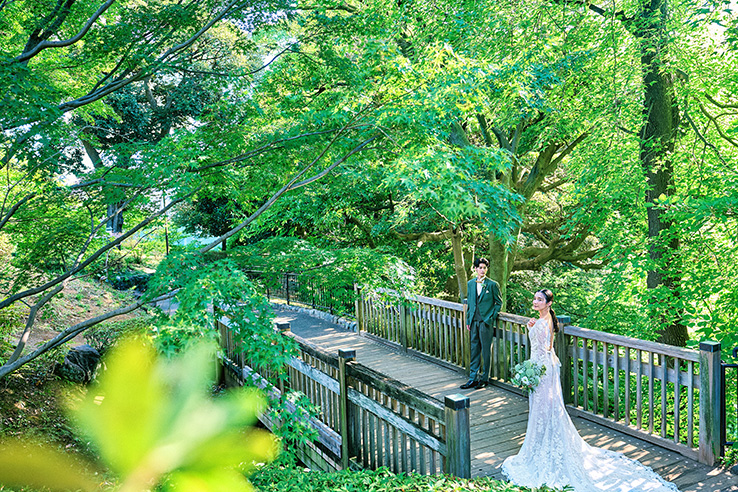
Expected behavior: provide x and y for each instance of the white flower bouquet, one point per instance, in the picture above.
(527, 375)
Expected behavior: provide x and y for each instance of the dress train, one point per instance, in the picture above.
(554, 454)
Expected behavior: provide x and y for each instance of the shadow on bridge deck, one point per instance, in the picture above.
(499, 417)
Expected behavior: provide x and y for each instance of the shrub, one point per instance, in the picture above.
(273, 478)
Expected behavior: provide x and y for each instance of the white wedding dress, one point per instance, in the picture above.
(554, 454)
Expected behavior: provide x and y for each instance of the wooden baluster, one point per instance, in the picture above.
(627, 386)
(651, 402)
(595, 377)
(639, 391)
(575, 360)
(677, 399)
(504, 351)
(423, 456)
(412, 443)
(585, 372)
(605, 380)
(395, 440)
(616, 380)
(385, 432)
(562, 351)
(664, 401)
(690, 404)
(433, 465)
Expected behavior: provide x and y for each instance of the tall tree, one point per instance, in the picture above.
(648, 24)
(68, 58)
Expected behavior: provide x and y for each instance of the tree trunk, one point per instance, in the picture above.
(500, 266)
(661, 119)
(115, 223)
(459, 265)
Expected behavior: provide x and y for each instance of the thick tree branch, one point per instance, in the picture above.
(532, 258)
(15, 208)
(103, 182)
(546, 164)
(267, 147)
(73, 331)
(366, 230)
(28, 54)
(129, 76)
(30, 321)
(484, 127)
(719, 104)
(330, 168)
(714, 121)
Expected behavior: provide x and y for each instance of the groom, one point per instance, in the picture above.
(483, 305)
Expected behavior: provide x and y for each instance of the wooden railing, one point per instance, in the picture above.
(366, 419)
(420, 325)
(663, 394)
(299, 289)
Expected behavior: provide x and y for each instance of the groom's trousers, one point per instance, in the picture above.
(480, 344)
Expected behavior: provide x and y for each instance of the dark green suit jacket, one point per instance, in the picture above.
(490, 301)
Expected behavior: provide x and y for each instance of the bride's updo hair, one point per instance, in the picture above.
(549, 298)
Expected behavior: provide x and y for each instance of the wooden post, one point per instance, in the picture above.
(458, 438)
(344, 357)
(287, 287)
(359, 309)
(282, 328)
(404, 324)
(466, 345)
(562, 352)
(710, 446)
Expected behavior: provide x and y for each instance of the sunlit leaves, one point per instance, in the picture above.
(153, 419)
(155, 423)
(26, 464)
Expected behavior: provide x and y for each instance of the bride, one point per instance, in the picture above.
(553, 453)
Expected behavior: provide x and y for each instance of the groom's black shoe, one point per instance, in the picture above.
(482, 384)
(469, 385)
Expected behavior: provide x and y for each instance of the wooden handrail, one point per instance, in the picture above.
(372, 414)
(633, 343)
(635, 386)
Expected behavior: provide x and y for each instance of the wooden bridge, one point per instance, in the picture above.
(391, 388)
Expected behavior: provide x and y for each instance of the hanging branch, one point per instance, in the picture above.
(73, 331)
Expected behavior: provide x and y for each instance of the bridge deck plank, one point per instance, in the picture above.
(498, 417)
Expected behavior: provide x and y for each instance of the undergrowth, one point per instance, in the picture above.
(277, 478)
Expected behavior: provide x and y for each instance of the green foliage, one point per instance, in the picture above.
(292, 413)
(11, 322)
(153, 422)
(204, 288)
(327, 267)
(106, 335)
(209, 216)
(273, 478)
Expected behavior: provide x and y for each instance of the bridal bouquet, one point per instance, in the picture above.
(527, 375)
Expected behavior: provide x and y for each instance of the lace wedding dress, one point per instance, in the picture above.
(554, 454)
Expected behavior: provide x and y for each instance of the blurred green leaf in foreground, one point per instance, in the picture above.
(154, 423)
